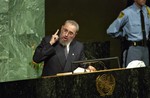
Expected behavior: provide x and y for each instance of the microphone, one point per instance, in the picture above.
(100, 60)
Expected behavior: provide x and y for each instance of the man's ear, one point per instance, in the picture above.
(62, 26)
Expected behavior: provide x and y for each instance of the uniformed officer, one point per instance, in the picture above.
(133, 23)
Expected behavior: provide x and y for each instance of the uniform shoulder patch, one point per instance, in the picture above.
(121, 15)
(148, 10)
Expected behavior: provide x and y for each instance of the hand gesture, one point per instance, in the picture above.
(91, 68)
(54, 37)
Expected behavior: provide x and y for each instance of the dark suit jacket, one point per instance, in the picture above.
(54, 56)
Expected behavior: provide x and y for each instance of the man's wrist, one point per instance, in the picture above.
(51, 43)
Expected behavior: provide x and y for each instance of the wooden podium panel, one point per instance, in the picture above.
(115, 83)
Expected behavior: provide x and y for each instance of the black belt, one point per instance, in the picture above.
(137, 43)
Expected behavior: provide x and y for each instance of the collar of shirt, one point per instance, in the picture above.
(137, 9)
(68, 47)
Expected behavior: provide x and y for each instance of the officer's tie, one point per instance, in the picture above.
(143, 27)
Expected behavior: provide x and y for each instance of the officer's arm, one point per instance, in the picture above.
(116, 28)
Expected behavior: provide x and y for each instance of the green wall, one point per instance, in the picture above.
(21, 28)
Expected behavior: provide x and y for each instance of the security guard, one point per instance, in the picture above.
(133, 23)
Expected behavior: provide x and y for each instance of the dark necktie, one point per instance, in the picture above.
(143, 27)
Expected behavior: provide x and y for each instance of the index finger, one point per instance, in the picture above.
(56, 32)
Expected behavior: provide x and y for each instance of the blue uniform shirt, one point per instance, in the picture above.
(129, 23)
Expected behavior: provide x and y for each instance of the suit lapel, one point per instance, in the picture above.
(60, 54)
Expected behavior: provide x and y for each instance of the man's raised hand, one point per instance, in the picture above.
(54, 37)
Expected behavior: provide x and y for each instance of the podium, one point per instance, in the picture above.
(112, 83)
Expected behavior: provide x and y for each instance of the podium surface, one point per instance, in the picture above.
(114, 83)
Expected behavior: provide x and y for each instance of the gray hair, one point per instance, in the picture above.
(73, 23)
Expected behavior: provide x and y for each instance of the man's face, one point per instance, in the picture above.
(68, 33)
(140, 2)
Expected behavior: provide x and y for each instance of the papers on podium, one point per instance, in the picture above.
(77, 70)
(136, 64)
(80, 70)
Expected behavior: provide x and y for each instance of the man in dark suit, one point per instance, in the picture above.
(60, 50)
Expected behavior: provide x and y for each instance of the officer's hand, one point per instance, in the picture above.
(54, 37)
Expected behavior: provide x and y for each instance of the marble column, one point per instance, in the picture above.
(22, 26)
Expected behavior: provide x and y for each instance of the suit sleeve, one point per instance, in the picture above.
(116, 28)
(82, 57)
(43, 51)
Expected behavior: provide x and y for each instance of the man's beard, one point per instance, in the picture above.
(65, 43)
